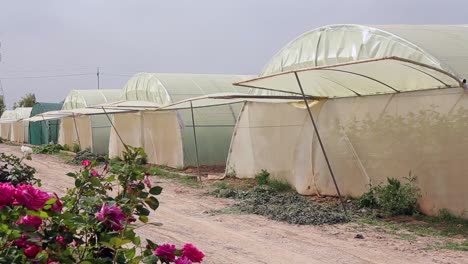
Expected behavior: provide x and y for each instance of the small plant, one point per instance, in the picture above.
(14, 171)
(262, 177)
(94, 222)
(48, 149)
(76, 148)
(394, 198)
(87, 155)
(66, 147)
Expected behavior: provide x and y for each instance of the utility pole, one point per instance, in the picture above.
(97, 73)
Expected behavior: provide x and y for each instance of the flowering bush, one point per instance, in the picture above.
(93, 223)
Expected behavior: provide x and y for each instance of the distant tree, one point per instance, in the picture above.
(26, 101)
(2, 105)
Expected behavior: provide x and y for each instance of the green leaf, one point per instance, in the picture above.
(71, 174)
(117, 242)
(152, 245)
(78, 183)
(142, 211)
(156, 190)
(135, 260)
(150, 259)
(41, 214)
(51, 200)
(129, 253)
(152, 202)
(143, 218)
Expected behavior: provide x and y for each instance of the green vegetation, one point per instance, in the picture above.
(28, 100)
(48, 149)
(263, 178)
(394, 198)
(76, 148)
(186, 180)
(87, 155)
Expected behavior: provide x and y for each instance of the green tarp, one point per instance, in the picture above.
(44, 132)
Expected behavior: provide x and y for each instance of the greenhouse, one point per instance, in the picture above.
(168, 136)
(5, 123)
(88, 131)
(45, 131)
(19, 128)
(389, 102)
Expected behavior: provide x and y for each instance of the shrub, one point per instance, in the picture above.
(90, 224)
(76, 148)
(87, 155)
(262, 177)
(394, 198)
(14, 171)
(66, 147)
(48, 149)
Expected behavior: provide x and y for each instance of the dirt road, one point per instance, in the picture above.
(233, 238)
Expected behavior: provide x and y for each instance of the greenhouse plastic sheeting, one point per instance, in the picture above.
(440, 46)
(214, 125)
(360, 78)
(160, 136)
(93, 131)
(367, 139)
(5, 128)
(20, 128)
(44, 131)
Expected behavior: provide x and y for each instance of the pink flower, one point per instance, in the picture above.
(22, 242)
(111, 217)
(30, 220)
(166, 251)
(86, 163)
(32, 251)
(147, 181)
(6, 194)
(60, 239)
(183, 260)
(57, 206)
(192, 253)
(95, 173)
(30, 197)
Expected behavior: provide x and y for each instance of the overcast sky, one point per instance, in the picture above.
(56, 38)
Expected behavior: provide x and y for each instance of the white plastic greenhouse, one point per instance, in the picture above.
(389, 102)
(90, 131)
(167, 136)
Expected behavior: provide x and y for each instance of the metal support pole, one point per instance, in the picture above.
(321, 144)
(112, 124)
(76, 130)
(195, 139)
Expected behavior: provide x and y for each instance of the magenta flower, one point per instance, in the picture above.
(32, 251)
(111, 217)
(95, 173)
(166, 251)
(6, 194)
(86, 163)
(60, 239)
(22, 242)
(192, 253)
(183, 260)
(30, 220)
(30, 197)
(147, 181)
(57, 206)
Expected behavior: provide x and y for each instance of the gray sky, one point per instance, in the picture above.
(50, 38)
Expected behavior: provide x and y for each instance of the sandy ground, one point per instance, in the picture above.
(233, 238)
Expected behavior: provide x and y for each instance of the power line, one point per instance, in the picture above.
(45, 76)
